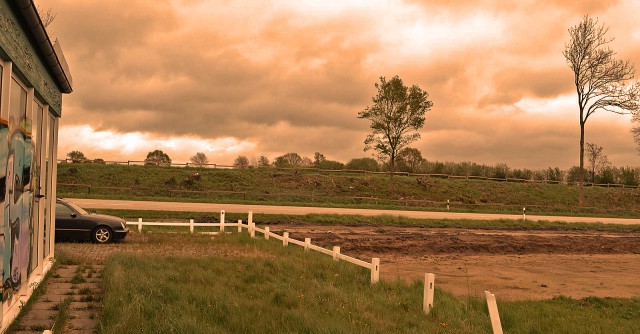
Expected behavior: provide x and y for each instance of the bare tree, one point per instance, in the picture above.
(636, 130)
(601, 80)
(199, 159)
(46, 16)
(598, 161)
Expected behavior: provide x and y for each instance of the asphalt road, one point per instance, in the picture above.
(301, 210)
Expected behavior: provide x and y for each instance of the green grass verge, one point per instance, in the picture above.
(349, 190)
(355, 220)
(290, 291)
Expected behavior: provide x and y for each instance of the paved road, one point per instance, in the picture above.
(301, 210)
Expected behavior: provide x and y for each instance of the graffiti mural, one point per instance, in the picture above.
(18, 150)
(4, 154)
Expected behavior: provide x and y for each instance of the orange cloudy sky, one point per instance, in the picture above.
(231, 78)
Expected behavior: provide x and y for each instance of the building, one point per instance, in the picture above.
(34, 75)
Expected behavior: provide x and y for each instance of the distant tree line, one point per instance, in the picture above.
(410, 160)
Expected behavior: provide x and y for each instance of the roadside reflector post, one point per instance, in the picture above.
(375, 270)
(447, 205)
(239, 225)
(191, 225)
(307, 242)
(222, 220)
(266, 233)
(524, 213)
(493, 313)
(139, 225)
(429, 287)
(336, 253)
(285, 239)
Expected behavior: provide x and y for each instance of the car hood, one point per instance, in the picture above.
(106, 218)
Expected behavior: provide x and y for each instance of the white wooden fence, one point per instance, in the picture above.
(373, 266)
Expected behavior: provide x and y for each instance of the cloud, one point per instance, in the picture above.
(291, 76)
(511, 86)
(117, 146)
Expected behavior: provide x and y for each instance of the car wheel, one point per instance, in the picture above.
(102, 235)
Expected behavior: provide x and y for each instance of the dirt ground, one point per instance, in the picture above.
(514, 265)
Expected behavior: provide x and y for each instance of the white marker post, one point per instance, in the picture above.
(493, 313)
(429, 287)
(524, 213)
(222, 214)
(336, 253)
(447, 205)
(375, 270)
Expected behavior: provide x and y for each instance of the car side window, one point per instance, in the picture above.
(62, 210)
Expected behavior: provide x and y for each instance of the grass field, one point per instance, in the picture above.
(287, 290)
(342, 189)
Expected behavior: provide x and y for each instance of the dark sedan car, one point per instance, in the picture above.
(73, 222)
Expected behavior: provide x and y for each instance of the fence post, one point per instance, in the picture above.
(252, 230)
(285, 240)
(336, 253)
(191, 225)
(375, 270)
(307, 241)
(239, 225)
(222, 221)
(429, 286)
(266, 233)
(139, 225)
(493, 313)
(250, 219)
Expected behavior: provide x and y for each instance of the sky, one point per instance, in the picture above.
(230, 78)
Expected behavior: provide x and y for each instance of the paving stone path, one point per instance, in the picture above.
(72, 296)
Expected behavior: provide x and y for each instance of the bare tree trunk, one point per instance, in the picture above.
(581, 175)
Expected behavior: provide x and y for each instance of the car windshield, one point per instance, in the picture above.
(77, 208)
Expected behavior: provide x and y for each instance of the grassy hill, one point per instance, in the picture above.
(345, 189)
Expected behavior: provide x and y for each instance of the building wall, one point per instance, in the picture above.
(17, 47)
(30, 105)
